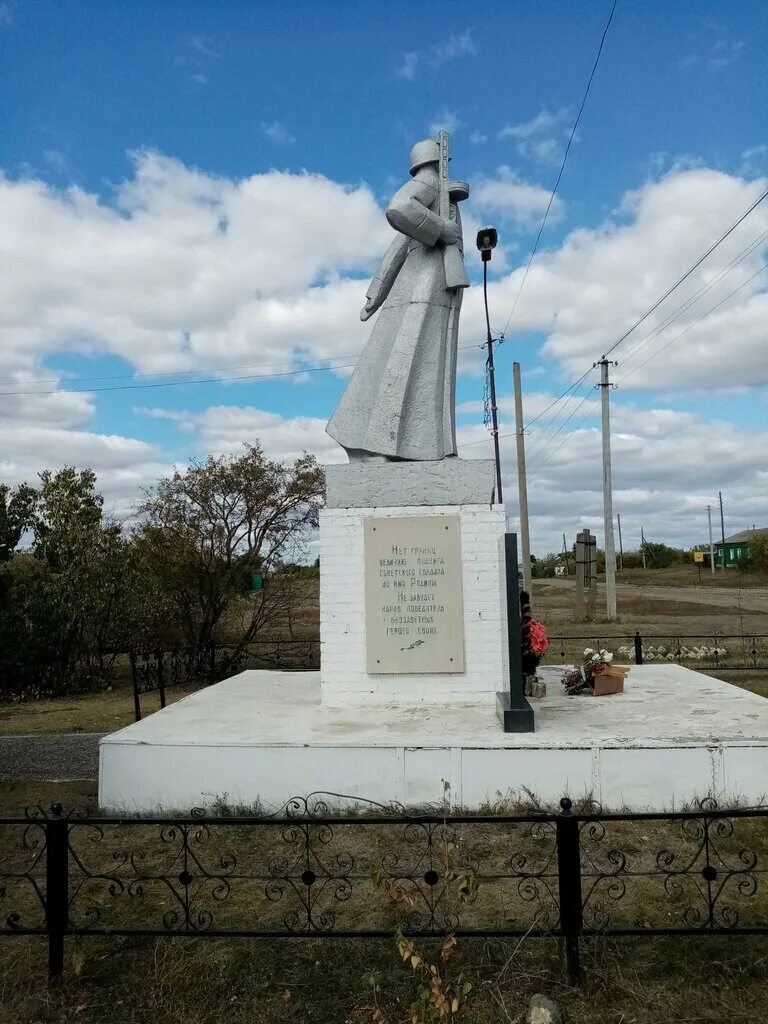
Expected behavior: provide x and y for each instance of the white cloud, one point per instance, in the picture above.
(586, 293)
(225, 428)
(56, 160)
(543, 137)
(477, 138)
(187, 270)
(199, 44)
(7, 13)
(454, 46)
(754, 161)
(445, 120)
(510, 195)
(717, 49)
(276, 132)
(667, 466)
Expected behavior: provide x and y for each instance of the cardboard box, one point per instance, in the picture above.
(611, 680)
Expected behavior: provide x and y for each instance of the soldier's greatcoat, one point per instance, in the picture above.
(400, 400)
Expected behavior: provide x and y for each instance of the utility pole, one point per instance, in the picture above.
(642, 545)
(711, 544)
(621, 546)
(565, 552)
(522, 483)
(722, 526)
(610, 550)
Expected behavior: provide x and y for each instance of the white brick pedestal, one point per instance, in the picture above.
(344, 678)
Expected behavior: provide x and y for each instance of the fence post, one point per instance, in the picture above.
(160, 676)
(136, 697)
(638, 649)
(56, 889)
(569, 886)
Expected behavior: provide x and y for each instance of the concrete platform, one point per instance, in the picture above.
(672, 735)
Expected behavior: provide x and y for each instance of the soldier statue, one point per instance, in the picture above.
(400, 402)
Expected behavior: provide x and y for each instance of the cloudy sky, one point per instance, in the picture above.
(191, 202)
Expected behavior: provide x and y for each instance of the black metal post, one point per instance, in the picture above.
(513, 710)
(569, 885)
(160, 676)
(638, 649)
(56, 889)
(136, 697)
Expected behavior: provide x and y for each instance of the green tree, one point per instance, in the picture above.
(15, 517)
(208, 528)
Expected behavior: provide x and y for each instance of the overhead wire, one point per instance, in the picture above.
(694, 324)
(685, 306)
(179, 383)
(562, 166)
(688, 273)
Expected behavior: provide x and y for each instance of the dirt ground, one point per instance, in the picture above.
(657, 603)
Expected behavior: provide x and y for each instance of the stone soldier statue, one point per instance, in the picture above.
(400, 402)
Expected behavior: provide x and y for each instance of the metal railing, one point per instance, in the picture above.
(304, 873)
(714, 650)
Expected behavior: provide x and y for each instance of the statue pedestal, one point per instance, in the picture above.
(412, 585)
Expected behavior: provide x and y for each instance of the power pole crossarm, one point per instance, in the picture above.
(610, 548)
(522, 483)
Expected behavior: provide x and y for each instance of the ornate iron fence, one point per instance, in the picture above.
(714, 650)
(195, 665)
(303, 873)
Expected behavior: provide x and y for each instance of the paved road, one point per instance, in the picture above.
(750, 600)
(56, 757)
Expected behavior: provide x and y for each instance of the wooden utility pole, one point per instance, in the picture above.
(522, 483)
(711, 544)
(642, 545)
(621, 546)
(610, 549)
(565, 552)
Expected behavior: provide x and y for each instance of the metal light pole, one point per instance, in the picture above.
(486, 243)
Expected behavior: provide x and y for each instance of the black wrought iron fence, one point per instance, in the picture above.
(304, 873)
(714, 650)
(200, 665)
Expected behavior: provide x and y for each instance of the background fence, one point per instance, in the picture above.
(305, 874)
(159, 670)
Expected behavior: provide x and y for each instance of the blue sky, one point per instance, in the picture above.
(340, 91)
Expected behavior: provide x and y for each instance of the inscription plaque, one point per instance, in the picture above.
(413, 609)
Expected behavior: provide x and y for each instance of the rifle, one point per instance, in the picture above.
(453, 255)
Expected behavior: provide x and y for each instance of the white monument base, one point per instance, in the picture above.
(265, 737)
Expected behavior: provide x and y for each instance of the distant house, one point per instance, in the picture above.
(736, 547)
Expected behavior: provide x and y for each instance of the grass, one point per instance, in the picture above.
(91, 712)
(637, 981)
(201, 981)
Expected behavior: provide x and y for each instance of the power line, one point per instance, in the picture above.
(180, 383)
(565, 422)
(685, 306)
(676, 313)
(562, 165)
(688, 273)
(695, 322)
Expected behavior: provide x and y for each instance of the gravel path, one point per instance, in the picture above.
(56, 757)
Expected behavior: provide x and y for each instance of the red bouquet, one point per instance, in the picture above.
(539, 638)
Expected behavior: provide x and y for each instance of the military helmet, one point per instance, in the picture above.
(425, 152)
